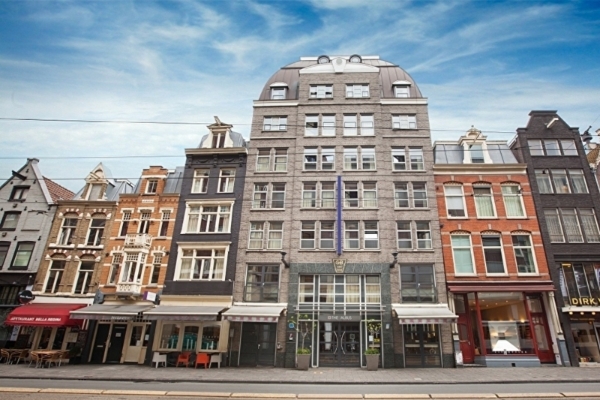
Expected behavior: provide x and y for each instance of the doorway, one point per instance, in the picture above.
(115, 345)
(339, 344)
(258, 344)
(100, 344)
(421, 345)
(465, 331)
(540, 329)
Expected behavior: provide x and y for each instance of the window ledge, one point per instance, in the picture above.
(409, 170)
(364, 250)
(373, 135)
(528, 274)
(264, 250)
(317, 208)
(270, 172)
(61, 246)
(459, 218)
(525, 217)
(319, 250)
(319, 136)
(8, 229)
(487, 218)
(85, 246)
(412, 209)
(273, 130)
(359, 170)
(466, 275)
(496, 275)
(267, 209)
(318, 170)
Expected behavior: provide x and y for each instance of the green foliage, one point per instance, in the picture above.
(303, 350)
(373, 326)
(372, 350)
(304, 326)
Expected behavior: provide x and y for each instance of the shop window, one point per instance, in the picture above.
(580, 281)
(210, 337)
(417, 284)
(169, 338)
(586, 342)
(190, 338)
(262, 283)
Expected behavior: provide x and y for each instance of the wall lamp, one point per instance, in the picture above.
(285, 263)
(393, 264)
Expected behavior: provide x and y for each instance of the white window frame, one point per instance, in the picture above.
(281, 159)
(308, 235)
(366, 154)
(330, 229)
(226, 180)
(400, 189)
(424, 200)
(414, 153)
(369, 188)
(530, 247)
(197, 209)
(499, 247)
(200, 180)
(401, 91)
(349, 201)
(404, 121)
(352, 230)
(309, 194)
(151, 186)
(88, 275)
(65, 237)
(593, 224)
(427, 241)
(569, 148)
(278, 93)
(165, 218)
(351, 158)
(328, 202)
(96, 231)
(260, 196)
(367, 125)
(358, 91)
(553, 214)
(350, 124)
(114, 270)
(462, 197)
(310, 159)
(325, 153)
(469, 247)
(328, 125)
(144, 221)
(396, 163)
(489, 196)
(55, 284)
(401, 230)
(263, 155)
(580, 177)
(516, 192)
(274, 192)
(273, 123)
(213, 248)
(311, 125)
(274, 235)
(323, 91)
(256, 235)
(371, 231)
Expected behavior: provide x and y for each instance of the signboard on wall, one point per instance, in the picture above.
(339, 317)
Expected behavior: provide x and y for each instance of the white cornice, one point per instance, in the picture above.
(275, 103)
(405, 101)
(207, 151)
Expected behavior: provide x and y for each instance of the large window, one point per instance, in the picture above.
(275, 124)
(513, 201)
(367, 125)
(207, 218)
(455, 201)
(574, 225)
(96, 231)
(10, 221)
(19, 193)
(321, 91)
(420, 230)
(404, 121)
(580, 280)
(67, 230)
(463, 255)
(4, 246)
(484, 201)
(262, 283)
(357, 90)
(366, 156)
(311, 198)
(361, 235)
(492, 251)
(22, 255)
(133, 268)
(524, 254)
(350, 125)
(408, 159)
(417, 284)
(333, 291)
(83, 281)
(201, 264)
(403, 198)
(552, 147)
(54, 275)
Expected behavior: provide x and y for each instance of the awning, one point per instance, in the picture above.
(545, 286)
(185, 313)
(253, 313)
(43, 314)
(111, 312)
(424, 313)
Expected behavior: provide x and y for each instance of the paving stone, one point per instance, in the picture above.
(264, 395)
(397, 396)
(463, 396)
(72, 391)
(19, 390)
(581, 394)
(137, 392)
(199, 394)
(529, 395)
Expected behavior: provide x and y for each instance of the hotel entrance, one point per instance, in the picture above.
(339, 344)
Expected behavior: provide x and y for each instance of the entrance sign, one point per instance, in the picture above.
(26, 296)
(339, 264)
(339, 317)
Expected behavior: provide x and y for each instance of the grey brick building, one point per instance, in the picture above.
(339, 230)
(567, 203)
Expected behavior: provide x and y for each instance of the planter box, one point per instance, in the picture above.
(303, 361)
(372, 362)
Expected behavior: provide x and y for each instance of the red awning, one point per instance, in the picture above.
(44, 314)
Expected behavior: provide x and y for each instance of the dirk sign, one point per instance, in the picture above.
(584, 301)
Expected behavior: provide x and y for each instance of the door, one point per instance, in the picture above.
(115, 345)
(138, 342)
(339, 344)
(464, 329)
(421, 345)
(540, 329)
(258, 344)
(100, 343)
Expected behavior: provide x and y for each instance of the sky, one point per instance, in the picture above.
(481, 63)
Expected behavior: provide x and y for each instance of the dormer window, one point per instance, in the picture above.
(95, 191)
(279, 91)
(355, 59)
(476, 152)
(401, 89)
(218, 140)
(151, 186)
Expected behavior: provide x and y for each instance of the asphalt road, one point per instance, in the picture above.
(300, 390)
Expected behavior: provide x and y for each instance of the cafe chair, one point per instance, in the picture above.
(215, 358)
(34, 359)
(183, 358)
(22, 355)
(202, 358)
(5, 355)
(159, 358)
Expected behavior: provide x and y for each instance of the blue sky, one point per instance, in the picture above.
(480, 63)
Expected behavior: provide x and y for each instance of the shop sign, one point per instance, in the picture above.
(339, 265)
(26, 296)
(584, 301)
(340, 317)
(16, 319)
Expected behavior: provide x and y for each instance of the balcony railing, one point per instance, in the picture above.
(129, 288)
(138, 241)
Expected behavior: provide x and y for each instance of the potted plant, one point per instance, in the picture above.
(303, 326)
(372, 352)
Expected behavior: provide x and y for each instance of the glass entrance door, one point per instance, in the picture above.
(421, 345)
(339, 344)
(258, 344)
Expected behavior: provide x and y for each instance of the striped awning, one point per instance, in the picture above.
(122, 312)
(254, 313)
(424, 313)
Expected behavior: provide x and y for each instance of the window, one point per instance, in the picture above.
(327, 159)
(164, 223)
(95, 190)
(524, 254)
(156, 266)
(535, 147)
(401, 198)
(275, 124)
(274, 235)
(207, 218)
(327, 234)
(144, 226)
(542, 177)
(357, 90)
(367, 159)
(579, 280)
(4, 246)
(55, 273)
(399, 160)
(226, 180)
(417, 284)
(328, 128)
(461, 250)
(151, 186)
(367, 125)
(559, 179)
(256, 235)
(310, 159)
(484, 201)
(571, 222)
(371, 238)
(455, 201)
(327, 194)
(476, 152)
(259, 197)
(351, 235)
(218, 140)
(10, 221)
(312, 125)
(125, 223)
(261, 192)
(492, 251)
(309, 195)
(577, 180)
(262, 283)
(416, 159)
(22, 255)
(568, 147)
(133, 269)
(513, 201)
(424, 235)
(96, 231)
(404, 234)
(67, 231)
(19, 193)
(404, 200)
(419, 195)
(350, 125)
(278, 195)
(321, 91)
(351, 194)
(308, 235)
(369, 194)
(263, 160)
(114, 268)
(278, 93)
(200, 180)
(84, 277)
(401, 91)
(339, 290)
(404, 121)
(550, 147)
(201, 264)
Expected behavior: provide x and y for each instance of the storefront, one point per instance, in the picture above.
(504, 326)
(47, 326)
(120, 332)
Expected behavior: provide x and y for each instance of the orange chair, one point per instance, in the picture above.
(202, 358)
(183, 358)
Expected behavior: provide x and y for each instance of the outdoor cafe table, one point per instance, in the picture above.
(46, 355)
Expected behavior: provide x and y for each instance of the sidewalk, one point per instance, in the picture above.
(141, 373)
